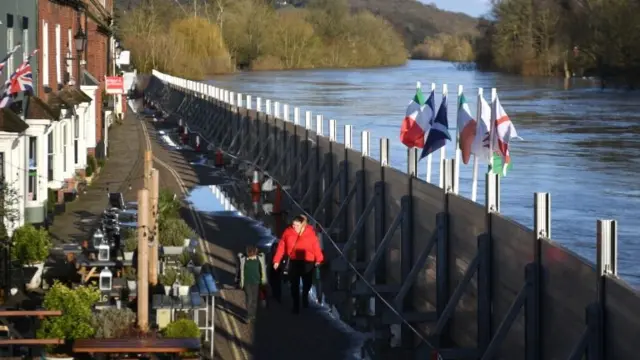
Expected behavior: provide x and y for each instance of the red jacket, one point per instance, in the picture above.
(307, 246)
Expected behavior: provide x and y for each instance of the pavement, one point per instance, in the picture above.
(122, 173)
(276, 333)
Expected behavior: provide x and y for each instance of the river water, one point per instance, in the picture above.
(580, 143)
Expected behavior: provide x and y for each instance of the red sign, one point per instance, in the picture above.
(114, 84)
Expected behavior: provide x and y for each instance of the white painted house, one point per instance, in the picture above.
(13, 159)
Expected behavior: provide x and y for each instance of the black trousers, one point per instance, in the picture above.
(251, 296)
(275, 283)
(300, 270)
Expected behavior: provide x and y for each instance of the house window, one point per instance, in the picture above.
(50, 152)
(33, 168)
(58, 55)
(76, 136)
(70, 53)
(45, 53)
(65, 139)
(9, 43)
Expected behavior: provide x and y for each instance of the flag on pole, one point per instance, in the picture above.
(502, 133)
(480, 146)
(466, 129)
(20, 81)
(439, 133)
(417, 119)
(4, 61)
(497, 167)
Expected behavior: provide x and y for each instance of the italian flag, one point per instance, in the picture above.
(466, 129)
(417, 121)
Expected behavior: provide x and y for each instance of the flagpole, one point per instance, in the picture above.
(492, 129)
(429, 157)
(474, 176)
(456, 179)
(443, 150)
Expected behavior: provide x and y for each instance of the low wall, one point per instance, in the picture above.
(558, 286)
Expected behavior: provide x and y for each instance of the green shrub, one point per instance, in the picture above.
(112, 323)
(76, 321)
(30, 245)
(168, 205)
(183, 328)
(186, 278)
(130, 273)
(174, 231)
(130, 237)
(169, 277)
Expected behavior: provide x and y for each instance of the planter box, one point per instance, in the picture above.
(173, 250)
(132, 284)
(128, 255)
(50, 357)
(184, 290)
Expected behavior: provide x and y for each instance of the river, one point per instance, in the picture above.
(581, 144)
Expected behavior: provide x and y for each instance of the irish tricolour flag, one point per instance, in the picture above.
(467, 129)
(417, 120)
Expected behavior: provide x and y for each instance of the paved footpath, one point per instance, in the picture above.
(121, 173)
(277, 334)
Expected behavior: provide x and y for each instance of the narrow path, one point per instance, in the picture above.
(228, 341)
(277, 333)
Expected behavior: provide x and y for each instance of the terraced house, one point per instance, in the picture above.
(47, 135)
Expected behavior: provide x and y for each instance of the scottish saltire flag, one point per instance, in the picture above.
(439, 133)
(502, 133)
(417, 120)
(4, 61)
(20, 81)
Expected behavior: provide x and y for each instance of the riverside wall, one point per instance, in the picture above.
(557, 300)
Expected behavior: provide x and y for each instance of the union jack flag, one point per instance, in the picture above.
(4, 61)
(21, 80)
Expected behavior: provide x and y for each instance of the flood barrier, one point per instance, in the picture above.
(458, 279)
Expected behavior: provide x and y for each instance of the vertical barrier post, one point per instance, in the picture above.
(447, 169)
(380, 224)
(259, 104)
(533, 309)
(276, 109)
(307, 120)
(606, 265)
(406, 243)
(318, 184)
(329, 159)
(492, 190)
(363, 250)
(319, 125)
(285, 110)
(296, 115)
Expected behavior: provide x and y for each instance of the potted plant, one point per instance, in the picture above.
(131, 276)
(173, 232)
(186, 280)
(130, 242)
(168, 279)
(112, 323)
(30, 247)
(168, 205)
(194, 258)
(183, 329)
(76, 320)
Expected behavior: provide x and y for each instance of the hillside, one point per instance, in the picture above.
(412, 19)
(415, 20)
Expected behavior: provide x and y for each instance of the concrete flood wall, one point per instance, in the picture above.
(569, 286)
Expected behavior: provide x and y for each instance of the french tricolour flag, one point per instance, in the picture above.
(439, 133)
(417, 120)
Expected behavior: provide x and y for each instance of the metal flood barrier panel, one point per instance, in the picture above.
(458, 279)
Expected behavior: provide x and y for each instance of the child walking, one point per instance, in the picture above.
(252, 276)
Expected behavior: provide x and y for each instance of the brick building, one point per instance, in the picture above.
(59, 23)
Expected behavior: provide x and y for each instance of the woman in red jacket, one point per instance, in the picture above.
(300, 243)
